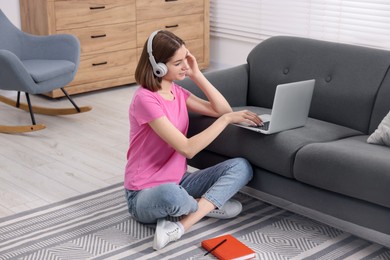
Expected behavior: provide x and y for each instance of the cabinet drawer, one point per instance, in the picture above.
(156, 9)
(82, 13)
(105, 38)
(103, 66)
(186, 27)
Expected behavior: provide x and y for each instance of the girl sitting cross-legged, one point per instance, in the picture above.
(156, 179)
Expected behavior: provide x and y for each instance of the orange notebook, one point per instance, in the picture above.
(232, 248)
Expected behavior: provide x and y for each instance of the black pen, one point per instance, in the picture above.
(212, 249)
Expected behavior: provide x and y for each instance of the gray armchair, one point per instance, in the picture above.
(36, 65)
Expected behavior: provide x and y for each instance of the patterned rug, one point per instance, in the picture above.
(97, 226)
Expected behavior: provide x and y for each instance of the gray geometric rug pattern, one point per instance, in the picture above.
(97, 225)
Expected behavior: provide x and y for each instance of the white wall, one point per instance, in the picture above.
(11, 9)
(228, 53)
(223, 52)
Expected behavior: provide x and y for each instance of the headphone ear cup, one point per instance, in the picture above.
(160, 70)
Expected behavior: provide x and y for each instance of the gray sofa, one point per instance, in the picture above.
(325, 169)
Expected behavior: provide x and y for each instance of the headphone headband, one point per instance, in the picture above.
(150, 42)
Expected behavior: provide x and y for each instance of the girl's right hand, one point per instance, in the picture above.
(193, 67)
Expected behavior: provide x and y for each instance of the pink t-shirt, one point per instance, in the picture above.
(150, 160)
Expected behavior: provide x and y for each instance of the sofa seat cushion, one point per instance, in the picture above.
(348, 166)
(275, 152)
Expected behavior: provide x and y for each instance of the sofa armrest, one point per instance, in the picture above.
(231, 82)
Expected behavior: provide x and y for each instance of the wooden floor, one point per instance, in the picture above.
(75, 154)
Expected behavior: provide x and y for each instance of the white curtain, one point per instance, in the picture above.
(350, 21)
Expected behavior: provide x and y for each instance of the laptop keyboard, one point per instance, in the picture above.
(265, 126)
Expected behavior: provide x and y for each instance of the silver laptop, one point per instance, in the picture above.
(290, 108)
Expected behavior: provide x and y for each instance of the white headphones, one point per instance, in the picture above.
(159, 69)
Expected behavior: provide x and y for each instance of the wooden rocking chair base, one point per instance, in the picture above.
(37, 110)
(21, 128)
(45, 110)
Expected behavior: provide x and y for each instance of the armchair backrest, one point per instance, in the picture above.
(10, 36)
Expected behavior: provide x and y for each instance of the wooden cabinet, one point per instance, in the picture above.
(113, 32)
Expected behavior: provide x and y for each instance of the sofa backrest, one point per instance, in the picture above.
(348, 77)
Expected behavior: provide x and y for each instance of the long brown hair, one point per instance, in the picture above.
(165, 44)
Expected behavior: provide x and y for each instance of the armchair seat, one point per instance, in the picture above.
(42, 70)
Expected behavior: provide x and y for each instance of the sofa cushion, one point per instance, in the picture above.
(382, 133)
(348, 166)
(275, 152)
(346, 87)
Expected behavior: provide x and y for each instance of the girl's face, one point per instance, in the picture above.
(177, 65)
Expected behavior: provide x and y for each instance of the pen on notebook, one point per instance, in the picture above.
(212, 249)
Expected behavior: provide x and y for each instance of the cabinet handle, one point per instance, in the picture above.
(97, 7)
(171, 26)
(100, 63)
(170, 0)
(98, 36)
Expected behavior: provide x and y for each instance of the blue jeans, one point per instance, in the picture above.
(216, 184)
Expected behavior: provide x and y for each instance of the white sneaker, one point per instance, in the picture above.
(230, 209)
(166, 231)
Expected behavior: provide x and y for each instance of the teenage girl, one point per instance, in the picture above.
(156, 179)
